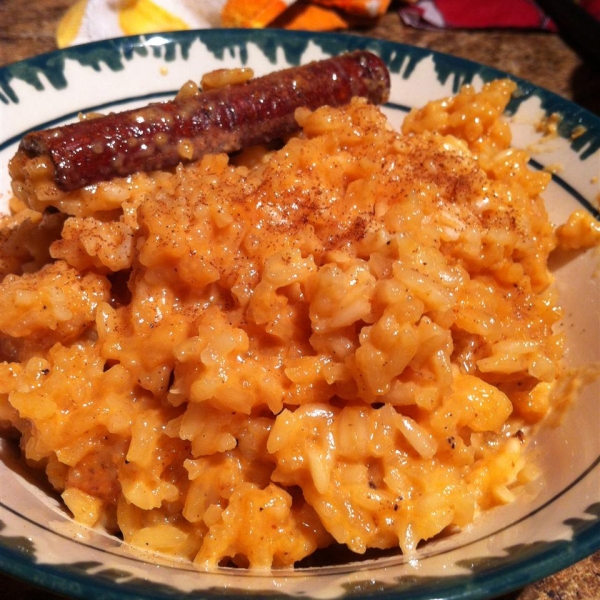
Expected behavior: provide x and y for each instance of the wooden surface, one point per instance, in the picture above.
(28, 28)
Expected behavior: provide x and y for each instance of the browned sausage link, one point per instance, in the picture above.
(220, 120)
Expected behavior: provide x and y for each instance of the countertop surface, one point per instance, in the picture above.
(28, 28)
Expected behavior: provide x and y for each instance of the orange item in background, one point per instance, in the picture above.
(306, 16)
(241, 13)
(363, 8)
(302, 15)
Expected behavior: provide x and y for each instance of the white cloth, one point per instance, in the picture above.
(101, 17)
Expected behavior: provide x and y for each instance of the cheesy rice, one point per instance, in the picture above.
(241, 361)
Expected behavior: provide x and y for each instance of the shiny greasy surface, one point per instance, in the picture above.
(225, 119)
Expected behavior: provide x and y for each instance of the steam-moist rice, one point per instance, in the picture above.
(242, 361)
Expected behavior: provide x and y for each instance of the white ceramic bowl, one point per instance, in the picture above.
(508, 547)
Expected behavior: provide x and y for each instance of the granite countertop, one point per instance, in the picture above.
(27, 29)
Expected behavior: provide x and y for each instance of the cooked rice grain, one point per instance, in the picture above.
(239, 362)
